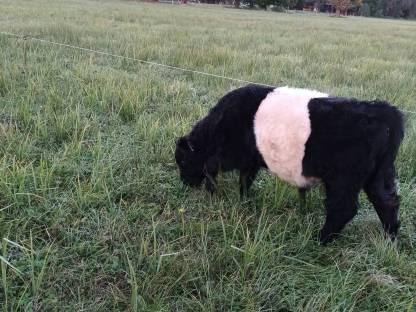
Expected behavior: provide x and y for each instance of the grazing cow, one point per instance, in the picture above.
(304, 137)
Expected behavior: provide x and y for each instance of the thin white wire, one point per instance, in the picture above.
(147, 62)
(135, 59)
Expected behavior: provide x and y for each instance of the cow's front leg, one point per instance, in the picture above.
(211, 169)
(247, 178)
(341, 206)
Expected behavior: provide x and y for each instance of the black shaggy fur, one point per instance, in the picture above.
(352, 146)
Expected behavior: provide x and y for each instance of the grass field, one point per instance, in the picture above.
(93, 216)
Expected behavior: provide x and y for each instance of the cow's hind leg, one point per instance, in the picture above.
(381, 192)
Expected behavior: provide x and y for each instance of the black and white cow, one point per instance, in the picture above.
(303, 137)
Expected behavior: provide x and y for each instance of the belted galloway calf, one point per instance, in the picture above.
(304, 137)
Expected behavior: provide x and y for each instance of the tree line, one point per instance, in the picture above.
(389, 8)
(377, 8)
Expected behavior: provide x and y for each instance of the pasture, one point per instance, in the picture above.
(93, 216)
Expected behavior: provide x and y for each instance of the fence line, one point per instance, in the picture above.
(25, 37)
(135, 59)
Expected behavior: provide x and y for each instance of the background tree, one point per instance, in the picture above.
(357, 3)
(365, 10)
(291, 4)
(391, 8)
(409, 8)
(263, 3)
(378, 8)
(340, 5)
(298, 4)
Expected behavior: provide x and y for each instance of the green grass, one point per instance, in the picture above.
(92, 213)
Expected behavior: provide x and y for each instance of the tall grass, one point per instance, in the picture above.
(92, 213)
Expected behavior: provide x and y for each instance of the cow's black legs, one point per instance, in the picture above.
(247, 178)
(381, 192)
(211, 169)
(302, 193)
(341, 206)
(302, 196)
